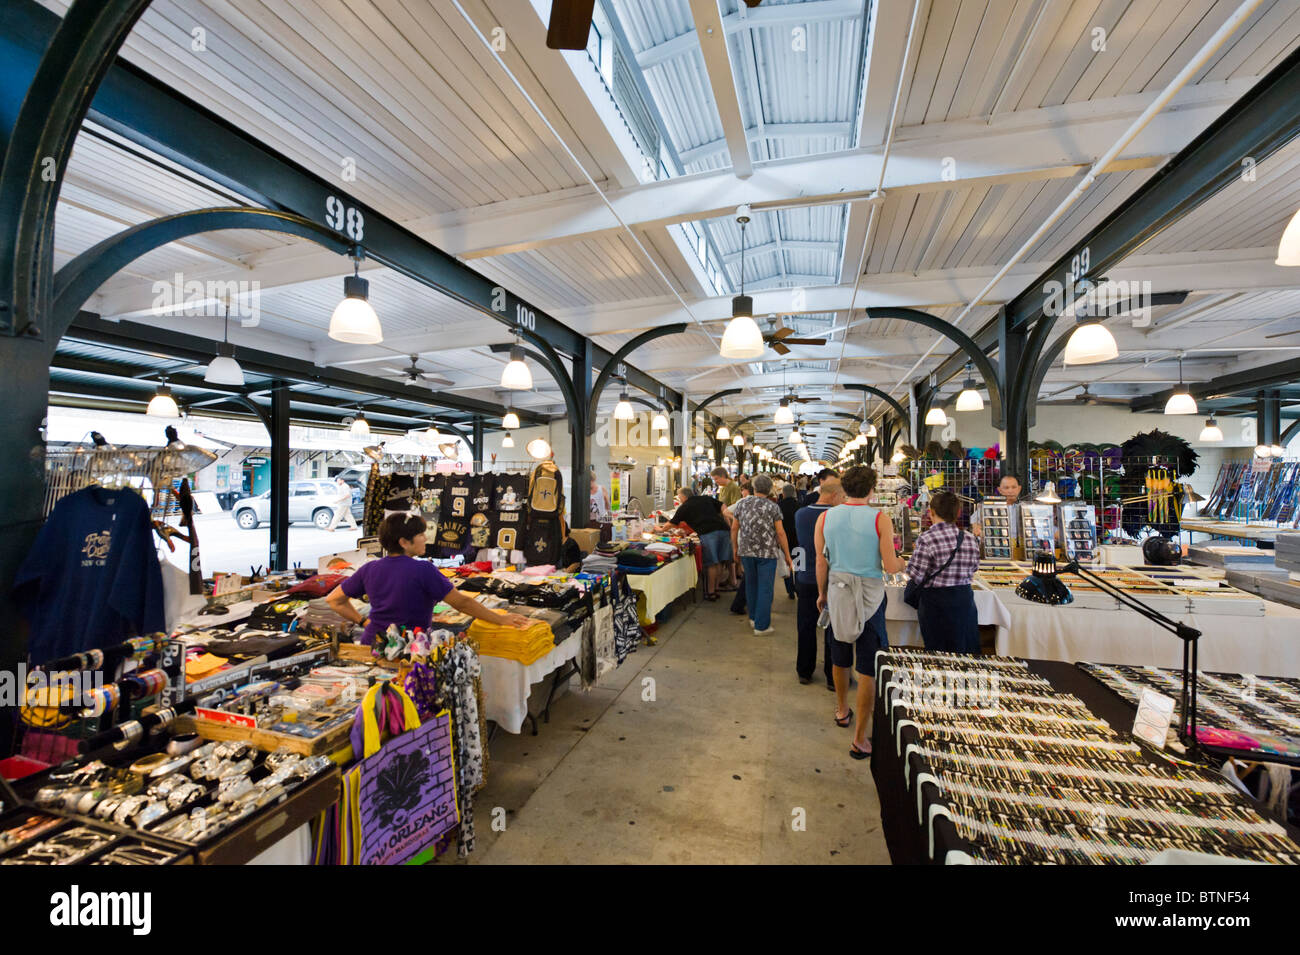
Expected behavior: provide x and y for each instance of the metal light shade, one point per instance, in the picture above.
(742, 339)
(783, 414)
(660, 422)
(507, 441)
(795, 437)
(969, 399)
(354, 321)
(738, 440)
(724, 433)
(516, 375)
(360, 426)
(935, 416)
(1211, 431)
(1288, 250)
(663, 440)
(623, 410)
(511, 420)
(1180, 402)
(162, 404)
(699, 449)
(1049, 494)
(1090, 343)
(539, 448)
(871, 431)
(224, 370)
(430, 436)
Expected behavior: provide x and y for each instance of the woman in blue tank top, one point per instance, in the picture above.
(855, 549)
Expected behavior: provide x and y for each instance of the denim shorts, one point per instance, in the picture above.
(716, 546)
(873, 637)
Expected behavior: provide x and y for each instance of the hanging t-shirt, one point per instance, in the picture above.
(430, 496)
(480, 493)
(92, 578)
(509, 491)
(507, 530)
(401, 496)
(454, 526)
(480, 531)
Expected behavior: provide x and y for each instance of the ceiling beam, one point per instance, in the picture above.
(756, 134)
(1233, 383)
(717, 62)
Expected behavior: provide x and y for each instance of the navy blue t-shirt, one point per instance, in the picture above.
(92, 578)
(805, 522)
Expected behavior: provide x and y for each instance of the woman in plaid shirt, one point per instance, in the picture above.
(947, 603)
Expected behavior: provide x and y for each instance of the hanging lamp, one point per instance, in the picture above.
(354, 320)
(516, 375)
(660, 422)
(224, 370)
(1211, 432)
(507, 441)
(738, 440)
(724, 433)
(1288, 250)
(742, 338)
(623, 410)
(1089, 343)
(969, 399)
(936, 417)
(162, 404)
(511, 420)
(359, 426)
(1181, 401)
(538, 448)
(699, 450)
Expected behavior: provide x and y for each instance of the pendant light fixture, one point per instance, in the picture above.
(660, 422)
(1181, 401)
(724, 433)
(623, 410)
(539, 448)
(1211, 432)
(969, 399)
(795, 437)
(511, 420)
(516, 375)
(935, 417)
(742, 339)
(663, 440)
(1276, 450)
(1049, 495)
(354, 321)
(507, 441)
(1288, 250)
(162, 404)
(1089, 343)
(224, 370)
(738, 440)
(429, 436)
(699, 450)
(359, 426)
(784, 415)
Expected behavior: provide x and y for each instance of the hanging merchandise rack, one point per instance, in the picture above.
(70, 469)
(1256, 492)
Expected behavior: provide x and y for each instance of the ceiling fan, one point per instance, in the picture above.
(414, 374)
(1086, 397)
(1284, 334)
(780, 337)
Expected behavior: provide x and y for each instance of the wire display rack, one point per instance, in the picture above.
(70, 469)
(1256, 492)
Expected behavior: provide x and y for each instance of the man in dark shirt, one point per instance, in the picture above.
(711, 520)
(805, 583)
(824, 475)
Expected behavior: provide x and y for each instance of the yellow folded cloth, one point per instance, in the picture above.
(525, 644)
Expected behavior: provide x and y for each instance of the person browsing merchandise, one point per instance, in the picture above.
(1009, 489)
(711, 520)
(403, 590)
(758, 539)
(728, 490)
(855, 549)
(943, 564)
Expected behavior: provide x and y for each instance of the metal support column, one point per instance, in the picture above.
(1268, 421)
(477, 441)
(279, 556)
(1016, 370)
(580, 429)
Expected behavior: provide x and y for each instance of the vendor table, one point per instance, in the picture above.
(905, 630)
(656, 591)
(1255, 532)
(506, 683)
(1268, 645)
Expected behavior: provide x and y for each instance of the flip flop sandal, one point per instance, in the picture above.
(846, 721)
(857, 753)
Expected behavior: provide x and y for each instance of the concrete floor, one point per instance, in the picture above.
(718, 767)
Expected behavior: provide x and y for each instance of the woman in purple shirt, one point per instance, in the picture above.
(403, 590)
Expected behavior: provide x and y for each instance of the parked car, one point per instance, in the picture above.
(309, 502)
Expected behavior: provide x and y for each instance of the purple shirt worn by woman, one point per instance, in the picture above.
(401, 590)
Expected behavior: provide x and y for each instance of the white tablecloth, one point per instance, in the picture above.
(665, 585)
(905, 631)
(506, 682)
(1265, 646)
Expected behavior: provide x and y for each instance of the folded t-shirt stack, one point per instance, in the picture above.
(598, 563)
(524, 644)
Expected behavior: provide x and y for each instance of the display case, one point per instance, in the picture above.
(1079, 532)
(996, 528)
(1038, 528)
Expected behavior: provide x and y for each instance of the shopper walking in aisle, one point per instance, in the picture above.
(855, 548)
(600, 513)
(728, 490)
(824, 475)
(789, 504)
(342, 505)
(805, 584)
(758, 539)
(711, 520)
(403, 590)
(943, 564)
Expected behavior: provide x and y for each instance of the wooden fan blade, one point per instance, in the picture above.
(805, 341)
(570, 24)
(782, 332)
(779, 348)
(805, 400)
(1284, 334)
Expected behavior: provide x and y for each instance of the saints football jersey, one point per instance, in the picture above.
(480, 493)
(401, 495)
(456, 499)
(480, 531)
(507, 530)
